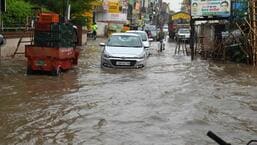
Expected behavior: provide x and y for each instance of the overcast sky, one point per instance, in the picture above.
(175, 5)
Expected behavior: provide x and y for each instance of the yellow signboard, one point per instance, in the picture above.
(181, 15)
(114, 7)
(88, 14)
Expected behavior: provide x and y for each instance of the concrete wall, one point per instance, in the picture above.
(101, 29)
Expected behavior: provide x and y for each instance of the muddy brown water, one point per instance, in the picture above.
(172, 101)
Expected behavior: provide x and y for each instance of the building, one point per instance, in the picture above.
(111, 16)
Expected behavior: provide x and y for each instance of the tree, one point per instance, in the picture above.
(17, 12)
(78, 8)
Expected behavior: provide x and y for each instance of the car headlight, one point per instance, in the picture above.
(141, 56)
(106, 54)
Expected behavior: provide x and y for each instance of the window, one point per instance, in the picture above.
(124, 41)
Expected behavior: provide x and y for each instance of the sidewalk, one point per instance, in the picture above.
(8, 49)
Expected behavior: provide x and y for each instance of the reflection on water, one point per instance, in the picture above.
(171, 101)
(33, 106)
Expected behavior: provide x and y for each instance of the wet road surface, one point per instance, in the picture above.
(172, 101)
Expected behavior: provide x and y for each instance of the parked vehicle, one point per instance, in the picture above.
(144, 37)
(151, 31)
(54, 46)
(166, 29)
(183, 33)
(91, 35)
(123, 50)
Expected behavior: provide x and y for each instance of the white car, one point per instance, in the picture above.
(144, 37)
(166, 29)
(183, 33)
(152, 31)
(123, 50)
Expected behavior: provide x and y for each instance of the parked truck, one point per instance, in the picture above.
(54, 46)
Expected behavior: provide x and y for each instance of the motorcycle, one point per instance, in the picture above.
(91, 34)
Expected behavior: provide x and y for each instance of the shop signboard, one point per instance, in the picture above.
(210, 8)
(112, 18)
(114, 6)
(180, 15)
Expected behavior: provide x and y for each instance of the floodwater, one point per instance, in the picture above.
(172, 101)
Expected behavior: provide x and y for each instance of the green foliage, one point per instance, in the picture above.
(78, 8)
(79, 20)
(17, 12)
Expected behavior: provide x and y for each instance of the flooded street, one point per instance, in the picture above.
(172, 101)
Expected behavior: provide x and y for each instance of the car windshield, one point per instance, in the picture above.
(150, 27)
(165, 27)
(184, 31)
(142, 35)
(124, 41)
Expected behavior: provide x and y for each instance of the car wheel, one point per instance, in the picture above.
(57, 71)
(29, 71)
(101, 64)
